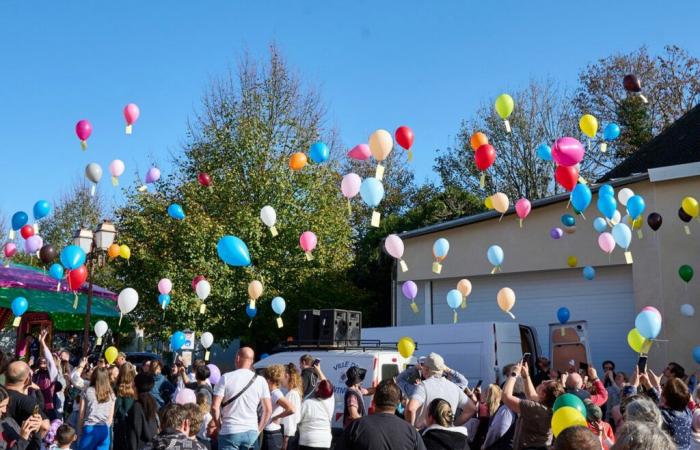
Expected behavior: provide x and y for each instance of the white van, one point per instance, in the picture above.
(478, 350)
(379, 363)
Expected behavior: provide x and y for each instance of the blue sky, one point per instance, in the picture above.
(378, 64)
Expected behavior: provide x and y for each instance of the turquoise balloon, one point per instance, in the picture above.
(495, 255)
(233, 251)
(19, 306)
(606, 189)
(42, 208)
(19, 219)
(581, 197)
(600, 225)
(622, 235)
(544, 151)
(588, 273)
(164, 300)
(278, 305)
(441, 247)
(611, 132)
(454, 299)
(372, 192)
(56, 271)
(319, 152)
(635, 206)
(72, 257)
(568, 220)
(176, 212)
(177, 340)
(648, 323)
(607, 205)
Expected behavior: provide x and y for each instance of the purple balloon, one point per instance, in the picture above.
(33, 244)
(214, 374)
(152, 175)
(409, 289)
(556, 233)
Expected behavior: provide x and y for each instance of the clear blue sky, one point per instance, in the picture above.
(378, 64)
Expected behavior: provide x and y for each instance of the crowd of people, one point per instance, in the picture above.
(46, 403)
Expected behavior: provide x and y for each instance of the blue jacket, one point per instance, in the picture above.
(162, 390)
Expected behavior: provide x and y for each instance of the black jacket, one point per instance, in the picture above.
(140, 430)
(444, 439)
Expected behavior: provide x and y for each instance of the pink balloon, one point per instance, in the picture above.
(214, 374)
(186, 396)
(152, 175)
(523, 207)
(83, 129)
(165, 286)
(360, 152)
(409, 289)
(10, 250)
(394, 246)
(606, 242)
(116, 168)
(308, 241)
(567, 151)
(350, 185)
(33, 244)
(131, 113)
(652, 309)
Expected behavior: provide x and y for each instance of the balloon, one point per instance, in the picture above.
(297, 161)
(648, 324)
(93, 172)
(581, 197)
(404, 136)
(495, 255)
(233, 251)
(506, 300)
(278, 305)
(214, 374)
(568, 220)
(464, 286)
(111, 354)
(19, 219)
(206, 339)
(477, 140)
(684, 216)
(696, 354)
(622, 235)
(440, 248)
(616, 217)
(611, 132)
(686, 273)
(600, 225)
(687, 310)
(41, 209)
(360, 152)
(177, 340)
(409, 289)
(164, 300)
(203, 290)
(196, 280)
(544, 151)
(504, 106)
(131, 115)
(268, 215)
(624, 195)
(72, 257)
(635, 340)
(372, 191)
(113, 251)
(635, 206)
(319, 152)
(176, 212)
(563, 315)
(255, 289)
(116, 169)
(589, 125)
(523, 208)
(406, 346)
(556, 233)
(165, 286)
(454, 298)
(571, 401)
(307, 241)
(83, 129)
(33, 244)
(588, 273)
(185, 396)
(77, 278)
(9, 250)
(567, 417)
(500, 202)
(26, 231)
(56, 271)
(251, 312)
(572, 261)
(394, 246)
(631, 83)
(204, 179)
(607, 205)
(690, 206)
(566, 176)
(484, 156)
(350, 186)
(488, 203)
(567, 151)
(606, 242)
(124, 251)
(380, 144)
(652, 309)
(127, 300)
(606, 189)
(19, 306)
(152, 175)
(101, 328)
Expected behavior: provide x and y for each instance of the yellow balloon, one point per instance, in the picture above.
(637, 223)
(566, 417)
(406, 346)
(255, 289)
(506, 299)
(504, 106)
(572, 261)
(125, 251)
(488, 203)
(380, 144)
(589, 125)
(500, 202)
(635, 340)
(111, 354)
(690, 206)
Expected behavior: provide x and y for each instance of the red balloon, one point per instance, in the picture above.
(204, 179)
(196, 280)
(77, 277)
(404, 136)
(27, 231)
(567, 177)
(484, 156)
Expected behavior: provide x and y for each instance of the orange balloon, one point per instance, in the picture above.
(297, 161)
(113, 251)
(478, 139)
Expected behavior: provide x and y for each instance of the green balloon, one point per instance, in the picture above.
(504, 105)
(569, 400)
(686, 273)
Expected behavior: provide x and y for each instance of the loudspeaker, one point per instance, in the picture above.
(329, 327)
(308, 326)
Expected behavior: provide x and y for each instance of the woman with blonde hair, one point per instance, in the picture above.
(281, 408)
(295, 392)
(441, 433)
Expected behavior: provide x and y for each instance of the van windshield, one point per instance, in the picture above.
(389, 371)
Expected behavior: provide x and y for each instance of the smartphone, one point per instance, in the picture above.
(36, 410)
(526, 357)
(478, 385)
(317, 362)
(583, 366)
(642, 364)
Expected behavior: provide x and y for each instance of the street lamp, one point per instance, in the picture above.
(94, 245)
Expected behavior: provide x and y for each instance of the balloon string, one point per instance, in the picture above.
(454, 317)
(511, 315)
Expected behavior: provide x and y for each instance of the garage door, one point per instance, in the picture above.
(606, 303)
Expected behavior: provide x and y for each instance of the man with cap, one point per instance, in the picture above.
(354, 404)
(411, 377)
(435, 385)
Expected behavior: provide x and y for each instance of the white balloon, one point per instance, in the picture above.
(616, 218)
(127, 301)
(624, 194)
(207, 339)
(101, 328)
(687, 310)
(268, 216)
(203, 289)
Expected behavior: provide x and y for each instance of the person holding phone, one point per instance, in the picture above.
(21, 406)
(309, 373)
(575, 385)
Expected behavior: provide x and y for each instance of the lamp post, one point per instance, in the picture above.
(94, 245)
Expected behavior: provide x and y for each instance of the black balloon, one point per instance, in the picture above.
(684, 216)
(47, 254)
(654, 220)
(631, 83)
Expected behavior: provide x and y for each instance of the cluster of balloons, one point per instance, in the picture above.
(152, 175)
(73, 260)
(83, 129)
(165, 286)
(119, 251)
(568, 411)
(567, 153)
(647, 326)
(202, 288)
(318, 152)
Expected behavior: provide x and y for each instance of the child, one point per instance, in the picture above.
(65, 436)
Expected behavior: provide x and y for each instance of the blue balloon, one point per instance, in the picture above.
(622, 235)
(319, 152)
(371, 191)
(251, 312)
(164, 299)
(233, 251)
(544, 151)
(176, 212)
(495, 255)
(611, 132)
(648, 323)
(588, 273)
(56, 271)
(72, 257)
(278, 305)
(177, 340)
(600, 225)
(635, 206)
(696, 354)
(606, 190)
(19, 306)
(42, 208)
(568, 220)
(607, 205)
(563, 315)
(581, 197)
(441, 247)
(454, 299)
(19, 219)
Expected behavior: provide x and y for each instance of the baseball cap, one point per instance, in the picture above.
(434, 362)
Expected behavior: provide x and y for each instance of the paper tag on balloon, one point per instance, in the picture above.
(414, 307)
(349, 208)
(250, 323)
(121, 316)
(252, 304)
(437, 267)
(410, 155)
(379, 173)
(202, 308)
(454, 317)
(143, 188)
(58, 286)
(75, 301)
(273, 231)
(93, 188)
(507, 124)
(309, 256)
(206, 355)
(115, 181)
(687, 229)
(582, 180)
(99, 341)
(404, 267)
(604, 147)
(495, 268)
(482, 180)
(128, 129)
(644, 99)
(83, 145)
(563, 331)
(17, 320)
(376, 217)
(36, 228)
(646, 346)
(628, 257)
(639, 234)
(12, 235)
(279, 322)
(521, 223)
(464, 303)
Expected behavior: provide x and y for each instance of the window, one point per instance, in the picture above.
(389, 371)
